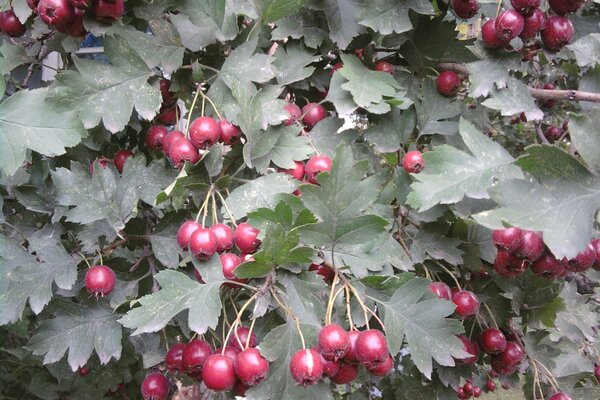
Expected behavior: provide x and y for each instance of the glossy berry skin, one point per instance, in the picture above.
(525, 7)
(182, 150)
(564, 7)
(108, 11)
(596, 246)
(100, 280)
(168, 115)
(315, 166)
(465, 9)
(448, 83)
(413, 162)
(508, 239)
(490, 38)
(553, 133)
(471, 348)
(10, 24)
(203, 244)
(346, 374)
(229, 262)
(169, 138)
(295, 114)
(384, 66)
(55, 12)
(326, 272)
(384, 368)
(306, 367)
(185, 233)
(513, 354)
(500, 368)
(441, 290)
(468, 388)
(333, 342)
(240, 337)
(312, 114)
(297, 172)
(174, 358)
(230, 133)
(155, 387)
(155, 136)
(490, 385)
(559, 396)
(371, 348)
(204, 132)
(246, 238)
(508, 265)
(230, 352)
(218, 373)
(509, 24)
(330, 368)
(558, 33)
(547, 266)
(224, 236)
(533, 24)
(467, 304)
(583, 261)
(492, 341)
(250, 367)
(477, 392)
(194, 355)
(120, 157)
(350, 355)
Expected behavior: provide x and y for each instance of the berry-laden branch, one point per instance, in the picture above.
(542, 94)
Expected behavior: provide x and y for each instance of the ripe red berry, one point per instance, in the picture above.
(525, 7)
(564, 7)
(471, 348)
(182, 150)
(203, 244)
(83, 371)
(333, 342)
(204, 132)
(350, 355)
(246, 238)
(194, 355)
(75, 27)
(10, 24)
(108, 11)
(174, 358)
(597, 372)
(465, 9)
(467, 304)
(582, 261)
(509, 24)
(218, 373)
(492, 341)
(169, 138)
(596, 246)
(230, 352)
(490, 37)
(33, 5)
(315, 166)
(155, 387)
(224, 236)
(100, 280)
(533, 24)
(384, 66)
(250, 367)
(547, 266)
(448, 83)
(490, 385)
(165, 91)
(500, 368)
(229, 262)
(55, 12)
(508, 265)
(558, 33)
(508, 239)
(168, 115)
(531, 247)
(230, 133)
(460, 393)
(121, 157)
(185, 233)
(155, 136)
(371, 348)
(441, 290)
(559, 396)
(346, 374)
(297, 172)
(513, 354)
(476, 391)
(239, 339)
(312, 114)
(306, 367)
(413, 162)
(295, 114)
(330, 368)
(384, 368)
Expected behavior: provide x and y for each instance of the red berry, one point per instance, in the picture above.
(525, 7)
(121, 157)
(460, 393)
(204, 132)
(155, 136)
(168, 115)
(315, 166)
(371, 348)
(384, 368)
(559, 396)
(246, 238)
(218, 373)
(182, 150)
(250, 367)
(335, 67)
(508, 239)
(55, 12)
(596, 245)
(174, 358)
(533, 24)
(509, 24)
(346, 374)
(102, 161)
(224, 236)
(297, 172)
(229, 262)
(500, 368)
(240, 337)
(583, 261)
(441, 290)
(230, 133)
(203, 244)
(492, 341)
(490, 385)
(330, 368)
(531, 247)
(476, 392)
(597, 372)
(558, 33)
(83, 371)
(468, 388)
(185, 233)
(165, 91)
(490, 37)
(169, 138)
(306, 367)
(384, 66)
(508, 265)
(333, 342)
(513, 354)
(74, 28)
(547, 266)
(10, 24)
(448, 83)
(471, 348)
(413, 162)
(155, 387)
(465, 9)
(467, 304)
(295, 114)
(194, 355)
(100, 280)
(326, 272)
(108, 10)
(230, 352)
(350, 355)
(313, 113)
(564, 7)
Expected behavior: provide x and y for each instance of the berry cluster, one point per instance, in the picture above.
(468, 390)
(519, 249)
(338, 354)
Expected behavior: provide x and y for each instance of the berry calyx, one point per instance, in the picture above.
(185, 233)
(413, 162)
(509, 24)
(312, 114)
(384, 66)
(384, 368)
(465, 9)
(371, 348)
(10, 24)
(174, 358)
(250, 367)
(55, 12)
(441, 290)
(218, 373)
(155, 387)
(508, 265)
(492, 341)
(448, 83)
(297, 172)
(239, 339)
(246, 238)
(155, 136)
(490, 37)
(508, 239)
(100, 280)
(467, 304)
(306, 367)
(194, 355)
(120, 158)
(203, 244)
(346, 374)
(224, 236)
(315, 166)
(204, 132)
(558, 33)
(471, 348)
(333, 342)
(230, 133)
(547, 266)
(169, 138)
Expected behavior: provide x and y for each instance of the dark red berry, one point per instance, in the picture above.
(168, 115)
(532, 246)
(465, 9)
(218, 373)
(169, 138)
(306, 367)
(155, 387)
(384, 66)
(441, 290)
(100, 280)
(346, 374)
(490, 385)
(413, 162)
(467, 304)
(312, 114)
(230, 133)
(500, 368)
(229, 262)
(250, 367)
(174, 358)
(55, 12)
(583, 261)
(549, 103)
(330, 368)
(490, 37)
(194, 356)
(492, 341)
(350, 355)
(333, 342)
(508, 265)
(460, 393)
(476, 391)
(246, 238)
(558, 33)
(203, 244)
(239, 339)
(471, 348)
(547, 266)
(508, 239)
(182, 150)
(335, 67)
(559, 396)
(83, 371)
(384, 368)
(297, 172)
(33, 5)
(165, 91)
(533, 24)
(525, 7)
(597, 372)
(371, 348)
(10, 24)
(596, 246)
(315, 166)
(564, 7)
(121, 157)
(230, 352)
(295, 114)
(108, 11)
(204, 132)
(74, 28)
(448, 83)
(509, 24)
(185, 233)
(155, 136)
(224, 236)
(513, 354)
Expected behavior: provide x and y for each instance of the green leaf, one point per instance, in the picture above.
(392, 131)
(273, 10)
(492, 72)
(49, 130)
(388, 16)
(435, 110)
(302, 295)
(108, 92)
(577, 320)
(587, 50)
(342, 18)
(192, 36)
(431, 241)
(450, 174)
(291, 63)
(30, 277)
(278, 347)
(78, 329)
(422, 319)
(164, 244)
(583, 133)
(12, 56)
(513, 100)
(305, 25)
(560, 202)
(341, 99)
(177, 293)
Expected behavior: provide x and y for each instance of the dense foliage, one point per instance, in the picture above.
(372, 199)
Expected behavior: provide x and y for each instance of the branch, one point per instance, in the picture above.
(44, 51)
(543, 94)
